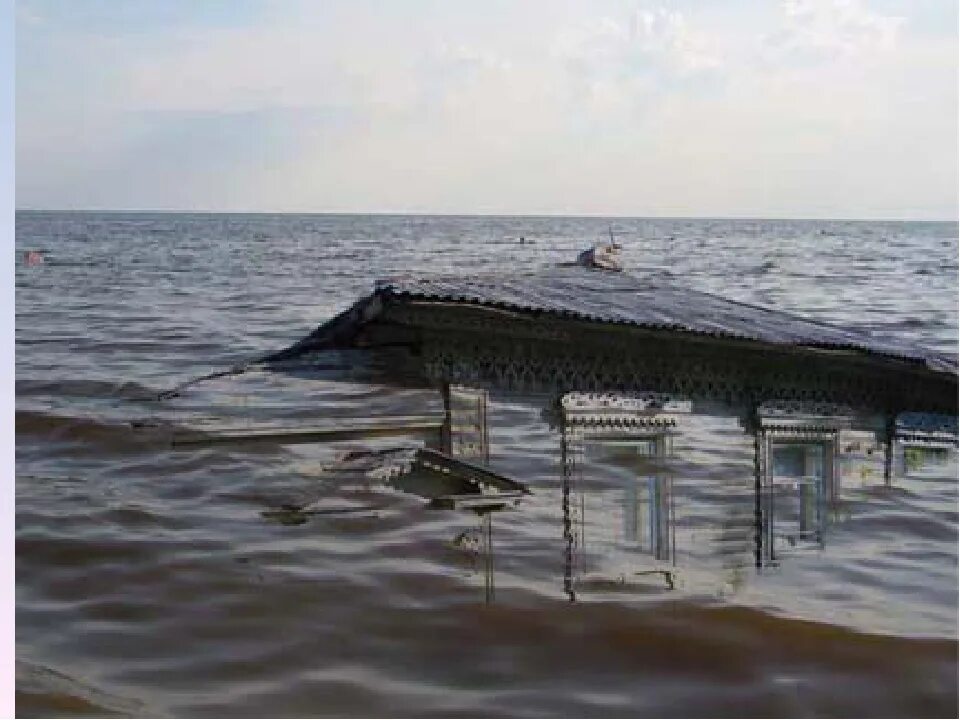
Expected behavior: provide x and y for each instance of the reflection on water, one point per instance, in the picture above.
(629, 526)
(628, 501)
(630, 522)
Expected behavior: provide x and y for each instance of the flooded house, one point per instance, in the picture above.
(678, 441)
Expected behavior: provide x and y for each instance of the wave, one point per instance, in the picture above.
(85, 388)
(44, 692)
(85, 431)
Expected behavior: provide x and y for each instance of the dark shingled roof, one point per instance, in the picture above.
(619, 298)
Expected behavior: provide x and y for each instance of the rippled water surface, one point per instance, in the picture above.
(150, 582)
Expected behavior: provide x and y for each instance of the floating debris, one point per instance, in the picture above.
(298, 515)
(33, 257)
(444, 481)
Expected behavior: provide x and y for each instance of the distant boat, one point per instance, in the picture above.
(605, 256)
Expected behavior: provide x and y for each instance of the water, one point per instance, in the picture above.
(149, 581)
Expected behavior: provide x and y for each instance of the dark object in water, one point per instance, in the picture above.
(444, 481)
(605, 256)
(297, 515)
(429, 473)
(33, 257)
(572, 329)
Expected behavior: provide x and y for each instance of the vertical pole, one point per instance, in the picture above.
(493, 589)
(758, 449)
(446, 433)
(485, 427)
(828, 501)
(888, 449)
(566, 471)
(488, 557)
(769, 493)
(673, 525)
(583, 532)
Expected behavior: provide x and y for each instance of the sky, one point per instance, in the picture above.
(700, 108)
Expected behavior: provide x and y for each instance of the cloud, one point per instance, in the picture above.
(618, 66)
(832, 30)
(666, 34)
(690, 108)
(470, 58)
(650, 41)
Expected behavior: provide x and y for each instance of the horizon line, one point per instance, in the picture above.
(407, 213)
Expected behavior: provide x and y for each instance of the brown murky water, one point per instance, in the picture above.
(150, 582)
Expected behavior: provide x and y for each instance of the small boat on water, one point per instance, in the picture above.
(603, 257)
